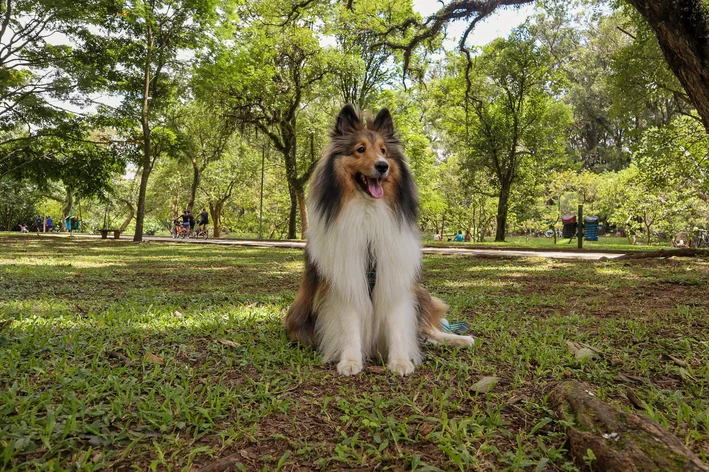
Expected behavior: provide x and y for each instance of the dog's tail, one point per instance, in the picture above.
(431, 311)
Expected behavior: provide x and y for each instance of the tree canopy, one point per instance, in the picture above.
(142, 109)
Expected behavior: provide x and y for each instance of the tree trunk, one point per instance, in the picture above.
(292, 216)
(682, 29)
(215, 210)
(683, 252)
(145, 125)
(176, 205)
(502, 205)
(131, 214)
(303, 213)
(66, 208)
(620, 441)
(140, 212)
(196, 175)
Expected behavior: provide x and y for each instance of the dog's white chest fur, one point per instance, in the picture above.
(341, 251)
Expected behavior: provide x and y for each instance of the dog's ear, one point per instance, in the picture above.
(347, 121)
(383, 123)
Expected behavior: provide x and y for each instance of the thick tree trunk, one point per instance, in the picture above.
(502, 206)
(215, 211)
(621, 442)
(682, 29)
(293, 215)
(196, 175)
(303, 213)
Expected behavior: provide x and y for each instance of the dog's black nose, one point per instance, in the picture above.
(381, 166)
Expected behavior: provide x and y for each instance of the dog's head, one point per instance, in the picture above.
(364, 151)
(364, 158)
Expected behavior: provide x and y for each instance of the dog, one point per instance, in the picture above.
(359, 295)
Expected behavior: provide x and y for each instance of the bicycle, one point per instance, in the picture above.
(179, 231)
(199, 232)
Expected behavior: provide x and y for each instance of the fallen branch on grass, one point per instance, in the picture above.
(118, 356)
(620, 441)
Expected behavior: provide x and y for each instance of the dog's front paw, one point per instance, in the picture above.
(349, 367)
(401, 366)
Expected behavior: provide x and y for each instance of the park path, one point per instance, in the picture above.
(426, 250)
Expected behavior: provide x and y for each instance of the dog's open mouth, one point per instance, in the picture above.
(371, 185)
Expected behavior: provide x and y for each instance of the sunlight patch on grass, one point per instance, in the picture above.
(485, 283)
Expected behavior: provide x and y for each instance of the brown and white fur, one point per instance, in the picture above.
(363, 207)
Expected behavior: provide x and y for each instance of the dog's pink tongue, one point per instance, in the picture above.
(375, 188)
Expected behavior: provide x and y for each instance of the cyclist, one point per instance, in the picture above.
(190, 219)
(186, 221)
(203, 220)
(176, 223)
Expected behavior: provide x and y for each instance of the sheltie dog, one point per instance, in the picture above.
(360, 295)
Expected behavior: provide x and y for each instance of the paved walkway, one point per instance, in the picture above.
(426, 250)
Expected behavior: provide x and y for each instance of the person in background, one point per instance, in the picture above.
(23, 229)
(50, 222)
(203, 219)
(38, 224)
(437, 237)
(467, 237)
(186, 221)
(190, 218)
(459, 237)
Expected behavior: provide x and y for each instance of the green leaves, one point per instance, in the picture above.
(500, 115)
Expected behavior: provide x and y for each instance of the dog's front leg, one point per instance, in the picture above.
(351, 343)
(400, 332)
(339, 327)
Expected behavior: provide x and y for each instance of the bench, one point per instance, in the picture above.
(116, 233)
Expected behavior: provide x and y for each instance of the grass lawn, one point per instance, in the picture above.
(158, 356)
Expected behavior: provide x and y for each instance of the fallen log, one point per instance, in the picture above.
(683, 252)
(620, 441)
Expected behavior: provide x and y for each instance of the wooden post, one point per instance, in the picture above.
(580, 227)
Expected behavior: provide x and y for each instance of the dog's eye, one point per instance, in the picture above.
(361, 149)
(384, 151)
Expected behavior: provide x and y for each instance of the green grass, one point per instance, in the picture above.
(158, 356)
